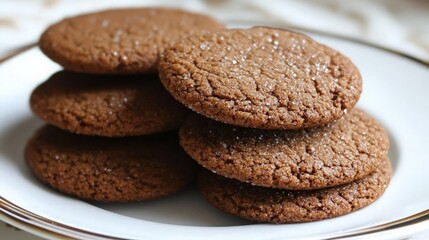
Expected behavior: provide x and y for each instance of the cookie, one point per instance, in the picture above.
(121, 40)
(109, 169)
(285, 206)
(107, 105)
(312, 158)
(261, 78)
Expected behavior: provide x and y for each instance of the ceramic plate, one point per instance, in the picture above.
(395, 92)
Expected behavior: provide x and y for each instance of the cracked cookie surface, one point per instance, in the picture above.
(261, 78)
(109, 169)
(338, 153)
(285, 206)
(107, 105)
(119, 41)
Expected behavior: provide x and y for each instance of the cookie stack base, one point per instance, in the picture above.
(109, 169)
(271, 205)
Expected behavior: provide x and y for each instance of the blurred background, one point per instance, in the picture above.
(398, 25)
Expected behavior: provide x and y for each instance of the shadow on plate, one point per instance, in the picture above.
(13, 141)
(393, 152)
(12, 144)
(184, 208)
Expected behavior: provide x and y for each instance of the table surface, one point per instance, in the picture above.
(10, 232)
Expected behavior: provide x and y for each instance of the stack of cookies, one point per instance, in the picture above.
(276, 127)
(111, 135)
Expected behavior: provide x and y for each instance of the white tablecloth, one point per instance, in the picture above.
(395, 24)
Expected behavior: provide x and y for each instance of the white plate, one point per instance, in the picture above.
(395, 92)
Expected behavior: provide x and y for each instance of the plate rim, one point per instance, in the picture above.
(47, 228)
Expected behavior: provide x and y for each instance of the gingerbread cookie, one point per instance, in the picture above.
(284, 206)
(107, 105)
(261, 78)
(339, 153)
(120, 41)
(109, 169)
